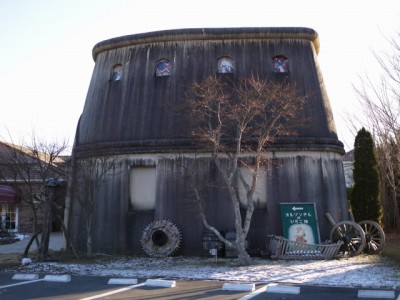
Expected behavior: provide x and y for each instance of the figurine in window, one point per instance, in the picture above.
(225, 65)
(117, 73)
(163, 68)
(281, 64)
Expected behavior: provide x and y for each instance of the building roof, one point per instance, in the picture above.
(20, 164)
(349, 156)
(208, 34)
(138, 112)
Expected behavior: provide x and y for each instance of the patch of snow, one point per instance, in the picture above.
(20, 236)
(26, 261)
(359, 271)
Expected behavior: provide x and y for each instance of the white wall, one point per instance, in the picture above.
(142, 187)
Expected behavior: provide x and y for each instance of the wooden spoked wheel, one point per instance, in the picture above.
(374, 237)
(352, 236)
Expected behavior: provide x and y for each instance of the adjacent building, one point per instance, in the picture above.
(23, 177)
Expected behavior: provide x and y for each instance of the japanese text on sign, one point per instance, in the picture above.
(299, 222)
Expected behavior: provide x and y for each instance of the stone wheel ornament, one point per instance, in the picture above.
(161, 238)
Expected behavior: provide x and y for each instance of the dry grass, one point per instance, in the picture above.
(392, 247)
(9, 260)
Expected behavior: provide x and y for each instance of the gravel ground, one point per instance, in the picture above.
(360, 271)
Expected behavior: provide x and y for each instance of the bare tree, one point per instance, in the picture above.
(28, 167)
(92, 172)
(380, 101)
(235, 122)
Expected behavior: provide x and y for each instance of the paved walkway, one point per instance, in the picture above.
(56, 244)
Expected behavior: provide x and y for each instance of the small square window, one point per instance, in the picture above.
(225, 65)
(163, 68)
(280, 64)
(116, 72)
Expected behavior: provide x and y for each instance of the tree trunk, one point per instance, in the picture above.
(45, 238)
(28, 246)
(36, 226)
(89, 246)
(243, 256)
(66, 235)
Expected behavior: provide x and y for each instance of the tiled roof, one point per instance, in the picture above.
(349, 156)
(32, 167)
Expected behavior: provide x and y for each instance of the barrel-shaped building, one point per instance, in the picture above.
(129, 112)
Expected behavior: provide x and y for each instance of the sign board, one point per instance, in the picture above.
(300, 222)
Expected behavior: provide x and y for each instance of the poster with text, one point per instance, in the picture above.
(300, 222)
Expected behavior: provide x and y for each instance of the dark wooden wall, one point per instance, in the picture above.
(136, 111)
(133, 117)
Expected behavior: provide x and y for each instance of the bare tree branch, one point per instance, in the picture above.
(381, 106)
(28, 167)
(92, 172)
(237, 120)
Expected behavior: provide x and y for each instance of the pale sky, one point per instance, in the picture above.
(46, 49)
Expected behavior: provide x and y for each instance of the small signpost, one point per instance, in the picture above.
(300, 222)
